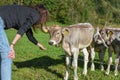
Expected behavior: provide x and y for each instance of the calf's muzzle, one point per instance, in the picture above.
(50, 43)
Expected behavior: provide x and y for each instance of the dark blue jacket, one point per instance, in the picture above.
(21, 18)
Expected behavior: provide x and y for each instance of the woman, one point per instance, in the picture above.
(21, 18)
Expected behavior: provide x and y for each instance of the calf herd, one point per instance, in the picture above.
(84, 37)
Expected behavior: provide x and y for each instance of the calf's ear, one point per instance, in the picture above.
(110, 33)
(45, 29)
(97, 29)
(65, 31)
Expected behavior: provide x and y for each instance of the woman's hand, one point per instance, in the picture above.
(12, 52)
(41, 46)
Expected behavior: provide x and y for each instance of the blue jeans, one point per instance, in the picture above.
(5, 61)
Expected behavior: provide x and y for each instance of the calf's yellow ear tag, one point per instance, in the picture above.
(111, 33)
(65, 31)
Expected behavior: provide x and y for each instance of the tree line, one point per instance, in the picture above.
(74, 11)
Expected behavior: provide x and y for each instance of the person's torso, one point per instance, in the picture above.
(14, 16)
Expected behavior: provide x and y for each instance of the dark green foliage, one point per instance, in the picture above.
(74, 11)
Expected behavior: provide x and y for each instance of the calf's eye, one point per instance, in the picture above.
(58, 33)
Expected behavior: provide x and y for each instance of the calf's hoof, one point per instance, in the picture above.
(92, 69)
(116, 74)
(107, 73)
(102, 68)
(75, 78)
(84, 73)
(65, 78)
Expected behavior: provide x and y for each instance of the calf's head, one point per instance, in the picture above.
(107, 35)
(97, 36)
(55, 35)
(102, 36)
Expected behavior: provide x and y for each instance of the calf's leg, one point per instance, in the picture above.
(101, 57)
(75, 52)
(116, 65)
(67, 67)
(92, 59)
(109, 62)
(86, 54)
(116, 50)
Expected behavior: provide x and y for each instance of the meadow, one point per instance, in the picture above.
(31, 63)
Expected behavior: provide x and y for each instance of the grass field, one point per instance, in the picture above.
(31, 63)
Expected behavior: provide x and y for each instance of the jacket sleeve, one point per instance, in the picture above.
(30, 36)
(26, 25)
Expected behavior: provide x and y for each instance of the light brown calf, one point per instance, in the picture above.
(73, 38)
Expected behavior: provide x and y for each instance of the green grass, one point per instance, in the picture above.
(31, 63)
